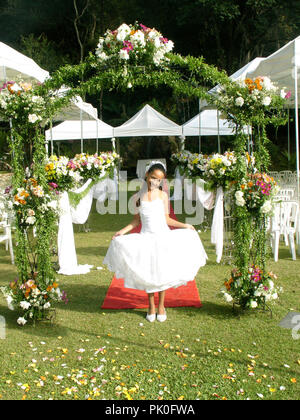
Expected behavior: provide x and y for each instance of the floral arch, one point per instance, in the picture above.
(129, 57)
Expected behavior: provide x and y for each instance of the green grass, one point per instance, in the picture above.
(207, 353)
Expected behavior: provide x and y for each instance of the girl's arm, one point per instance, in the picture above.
(135, 222)
(171, 222)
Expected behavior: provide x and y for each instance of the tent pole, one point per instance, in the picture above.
(297, 125)
(289, 139)
(97, 141)
(51, 132)
(81, 127)
(200, 126)
(113, 141)
(219, 142)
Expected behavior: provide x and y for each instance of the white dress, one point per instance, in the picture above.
(158, 258)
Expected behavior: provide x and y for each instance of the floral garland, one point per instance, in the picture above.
(134, 44)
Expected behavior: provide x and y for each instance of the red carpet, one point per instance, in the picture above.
(118, 297)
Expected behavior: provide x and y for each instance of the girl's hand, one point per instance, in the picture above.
(187, 226)
(120, 233)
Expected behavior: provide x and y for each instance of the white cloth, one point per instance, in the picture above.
(157, 258)
(81, 213)
(68, 215)
(66, 244)
(217, 228)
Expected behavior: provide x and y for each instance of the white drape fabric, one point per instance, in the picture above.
(68, 215)
(208, 201)
(66, 244)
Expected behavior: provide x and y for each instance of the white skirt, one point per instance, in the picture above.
(156, 261)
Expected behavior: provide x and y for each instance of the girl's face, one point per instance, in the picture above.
(154, 179)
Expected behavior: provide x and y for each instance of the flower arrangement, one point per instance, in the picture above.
(94, 166)
(247, 101)
(190, 164)
(134, 44)
(253, 291)
(256, 193)
(18, 100)
(30, 203)
(63, 173)
(33, 298)
(220, 170)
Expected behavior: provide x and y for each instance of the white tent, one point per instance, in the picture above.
(148, 122)
(283, 67)
(14, 64)
(71, 130)
(207, 123)
(77, 109)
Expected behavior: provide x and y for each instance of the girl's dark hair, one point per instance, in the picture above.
(154, 167)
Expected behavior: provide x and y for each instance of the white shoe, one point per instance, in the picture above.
(161, 318)
(151, 318)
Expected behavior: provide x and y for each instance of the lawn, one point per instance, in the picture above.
(207, 353)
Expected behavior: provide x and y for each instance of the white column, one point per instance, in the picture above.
(219, 142)
(297, 123)
(81, 132)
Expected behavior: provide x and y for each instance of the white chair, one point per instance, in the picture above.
(285, 222)
(5, 236)
(285, 194)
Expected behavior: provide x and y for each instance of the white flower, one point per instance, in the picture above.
(33, 118)
(240, 201)
(124, 28)
(15, 87)
(47, 305)
(124, 54)
(266, 101)
(253, 304)
(228, 298)
(102, 55)
(239, 101)
(267, 84)
(30, 220)
(266, 207)
(25, 305)
(9, 301)
(283, 93)
(138, 38)
(21, 321)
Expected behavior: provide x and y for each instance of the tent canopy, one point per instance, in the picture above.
(148, 122)
(206, 124)
(75, 130)
(77, 109)
(241, 73)
(14, 64)
(283, 67)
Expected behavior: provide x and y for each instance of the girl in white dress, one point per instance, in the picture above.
(158, 258)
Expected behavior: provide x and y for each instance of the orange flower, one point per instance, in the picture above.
(49, 288)
(55, 285)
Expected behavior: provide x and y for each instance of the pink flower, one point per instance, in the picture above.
(288, 95)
